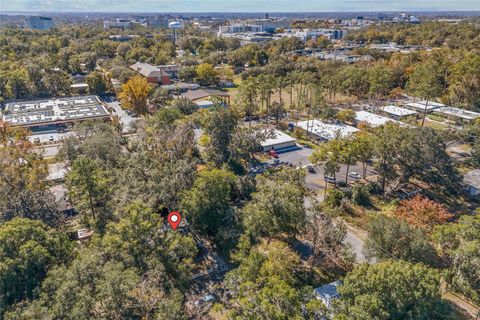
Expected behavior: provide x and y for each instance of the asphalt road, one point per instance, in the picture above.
(316, 183)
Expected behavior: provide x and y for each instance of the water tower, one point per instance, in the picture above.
(175, 25)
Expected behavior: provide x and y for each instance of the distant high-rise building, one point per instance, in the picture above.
(157, 22)
(118, 23)
(40, 23)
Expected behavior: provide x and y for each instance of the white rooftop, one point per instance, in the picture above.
(327, 131)
(398, 111)
(372, 119)
(461, 113)
(38, 112)
(204, 103)
(278, 138)
(421, 105)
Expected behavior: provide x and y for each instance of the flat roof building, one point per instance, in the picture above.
(38, 113)
(398, 112)
(456, 113)
(39, 23)
(326, 131)
(423, 105)
(118, 23)
(371, 119)
(278, 141)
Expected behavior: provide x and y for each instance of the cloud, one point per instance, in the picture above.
(236, 5)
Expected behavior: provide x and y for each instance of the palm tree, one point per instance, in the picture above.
(248, 98)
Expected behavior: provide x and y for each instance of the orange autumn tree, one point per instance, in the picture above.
(422, 212)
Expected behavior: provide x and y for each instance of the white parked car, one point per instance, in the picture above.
(354, 175)
(205, 299)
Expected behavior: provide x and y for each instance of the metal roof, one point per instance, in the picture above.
(147, 70)
(203, 93)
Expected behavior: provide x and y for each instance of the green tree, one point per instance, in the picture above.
(96, 289)
(464, 83)
(247, 98)
(346, 115)
(219, 126)
(206, 74)
(381, 80)
(208, 204)
(57, 82)
(23, 191)
(426, 82)
(392, 290)
(421, 153)
(95, 140)
(137, 240)
(458, 244)
(97, 83)
(277, 206)
(389, 237)
(28, 249)
(186, 106)
(328, 154)
(267, 283)
(327, 240)
(365, 150)
(160, 98)
(245, 142)
(166, 148)
(188, 73)
(89, 189)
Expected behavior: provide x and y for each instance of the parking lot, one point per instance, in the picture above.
(48, 137)
(315, 180)
(125, 119)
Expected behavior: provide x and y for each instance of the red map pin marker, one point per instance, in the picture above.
(174, 219)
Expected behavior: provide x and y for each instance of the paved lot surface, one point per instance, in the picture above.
(48, 137)
(315, 182)
(125, 119)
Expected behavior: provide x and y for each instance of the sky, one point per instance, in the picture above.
(238, 5)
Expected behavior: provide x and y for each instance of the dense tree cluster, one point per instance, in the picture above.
(200, 163)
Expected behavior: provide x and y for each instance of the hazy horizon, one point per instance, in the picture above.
(239, 6)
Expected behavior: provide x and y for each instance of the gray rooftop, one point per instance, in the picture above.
(460, 113)
(147, 70)
(327, 293)
(203, 93)
(38, 112)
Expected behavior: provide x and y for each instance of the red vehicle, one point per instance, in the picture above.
(273, 153)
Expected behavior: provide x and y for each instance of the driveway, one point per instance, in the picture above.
(125, 119)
